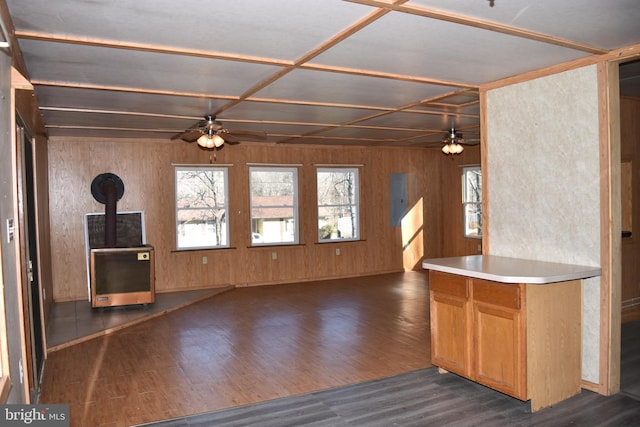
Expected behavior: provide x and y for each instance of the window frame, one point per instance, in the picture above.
(466, 203)
(296, 207)
(225, 205)
(339, 169)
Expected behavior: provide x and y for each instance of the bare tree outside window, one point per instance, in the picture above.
(338, 204)
(472, 201)
(201, 207)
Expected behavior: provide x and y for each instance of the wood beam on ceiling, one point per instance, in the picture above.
(119, 112)
(145, 47)
(617, 55)
(353, 123)
(113, 128)
(309, 55)
(391, 76)
(202, 95)
(109, 88)
(483, 24)
(288, 65)
(49, 83)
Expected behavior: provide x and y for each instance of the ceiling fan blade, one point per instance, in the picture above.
(470, 142)
(228, 138)
(433, 145)
(189, 135)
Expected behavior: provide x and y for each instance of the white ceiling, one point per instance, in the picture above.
(303, 71)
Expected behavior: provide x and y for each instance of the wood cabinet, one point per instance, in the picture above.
(498, 336)
(449, 302)
(522, 340)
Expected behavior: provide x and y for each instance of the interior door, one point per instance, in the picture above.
(31, 292)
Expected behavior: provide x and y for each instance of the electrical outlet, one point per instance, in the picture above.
(337, 251)
(274, 255)
(205, 259)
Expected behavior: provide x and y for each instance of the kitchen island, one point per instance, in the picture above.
(511, 324)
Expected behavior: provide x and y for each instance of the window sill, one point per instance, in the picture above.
(276, 245)
(324, 242)
(178, 251)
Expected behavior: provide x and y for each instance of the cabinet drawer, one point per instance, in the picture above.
(504, 295)
(449, 284)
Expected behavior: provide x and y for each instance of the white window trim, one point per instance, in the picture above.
(465, 169)
(296, 214)
(336, 168)
(225, 171)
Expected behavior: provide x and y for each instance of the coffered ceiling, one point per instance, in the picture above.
(361, 72)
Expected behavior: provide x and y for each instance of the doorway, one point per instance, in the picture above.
(35, 341)
(630, 224)
(630, 187)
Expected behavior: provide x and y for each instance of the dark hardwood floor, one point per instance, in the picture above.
(349, 352)
(422, 398)
(245, 346)
(630, 360)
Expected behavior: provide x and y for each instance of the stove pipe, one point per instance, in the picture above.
(108, 188)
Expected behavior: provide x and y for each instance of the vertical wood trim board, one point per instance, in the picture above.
(610, 227)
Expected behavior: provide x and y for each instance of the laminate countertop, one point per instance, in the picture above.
(510, 270)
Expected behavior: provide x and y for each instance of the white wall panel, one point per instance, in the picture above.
(543, 168)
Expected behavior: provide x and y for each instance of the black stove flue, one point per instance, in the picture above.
(108, 188)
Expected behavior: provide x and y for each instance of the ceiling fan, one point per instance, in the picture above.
(453, 141)
(211, 134)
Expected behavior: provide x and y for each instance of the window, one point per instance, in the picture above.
(338, 204)
(274, 205)
(472, 201)
(201, 207)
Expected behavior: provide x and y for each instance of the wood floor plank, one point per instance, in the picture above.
(245, 346)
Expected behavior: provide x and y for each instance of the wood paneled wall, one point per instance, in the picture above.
(630, 152)
(145, 167)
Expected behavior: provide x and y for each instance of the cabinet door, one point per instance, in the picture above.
(450, 327)
(499, 337)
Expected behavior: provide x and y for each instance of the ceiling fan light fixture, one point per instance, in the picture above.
(210, 140)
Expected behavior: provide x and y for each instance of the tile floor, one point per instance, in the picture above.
(75, 321)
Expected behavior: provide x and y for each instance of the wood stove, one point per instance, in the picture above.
(122, 276)
(121, 264)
